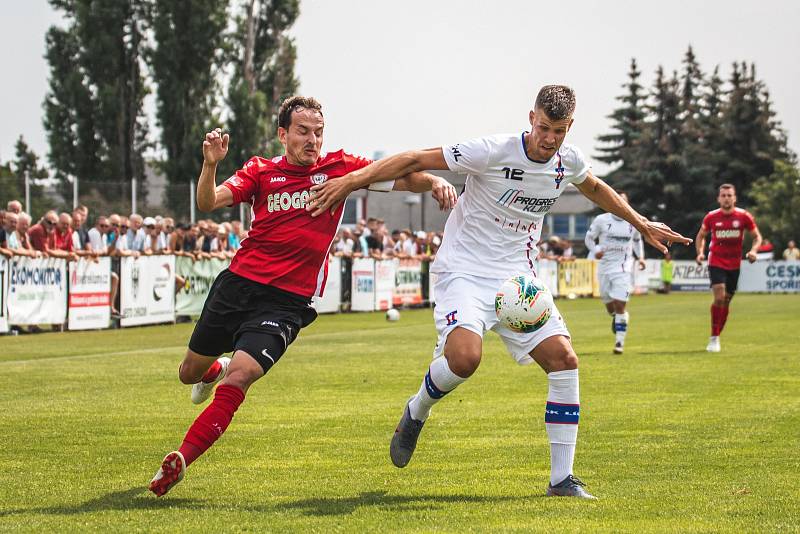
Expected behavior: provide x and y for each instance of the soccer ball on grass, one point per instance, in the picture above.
(392, 314)
(523, 303)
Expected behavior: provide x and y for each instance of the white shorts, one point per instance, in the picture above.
(468, 301)
(615, 286)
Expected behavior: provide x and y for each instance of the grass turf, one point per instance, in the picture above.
(672, 438)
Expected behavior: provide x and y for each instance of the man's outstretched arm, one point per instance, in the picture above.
(603, 195)
(331, 193)
(210, 196)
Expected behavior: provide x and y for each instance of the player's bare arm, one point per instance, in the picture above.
(329, 194)
(605, 197)
(756, 235)
(700, 244)
(420, 182)
(209, 195)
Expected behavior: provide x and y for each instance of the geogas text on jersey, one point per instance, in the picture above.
(285, 201)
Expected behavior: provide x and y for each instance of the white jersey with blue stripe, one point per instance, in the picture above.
(494, 228)
(618, 240)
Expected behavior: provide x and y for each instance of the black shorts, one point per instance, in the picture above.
(719, 275)
(240, 313)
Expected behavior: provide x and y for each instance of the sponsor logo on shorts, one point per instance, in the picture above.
(451, 318)
(269, 323)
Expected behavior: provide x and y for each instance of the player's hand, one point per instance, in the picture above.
(700, 259)
(751, 256)
(328, 195)
(642, 265)
(599, 255)
(444, 193)
(215, 146)
(658, 233)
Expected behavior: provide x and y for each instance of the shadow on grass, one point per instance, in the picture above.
(135, 498)
(322, 506)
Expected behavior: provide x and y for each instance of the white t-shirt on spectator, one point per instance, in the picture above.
(97, 241)
(345, 246)
(410, 247)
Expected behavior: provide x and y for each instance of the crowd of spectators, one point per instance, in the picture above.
(371, 239)
(67, 235)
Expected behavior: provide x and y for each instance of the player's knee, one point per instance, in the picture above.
(564, 360)
(464, 362)
(242, 378)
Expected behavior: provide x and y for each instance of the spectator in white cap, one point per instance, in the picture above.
(155, 241)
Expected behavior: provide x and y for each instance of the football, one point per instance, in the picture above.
(523, 303)
(392, 315)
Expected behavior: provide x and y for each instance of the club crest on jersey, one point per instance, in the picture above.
(559, 171)
(736, 224)
(318, 178)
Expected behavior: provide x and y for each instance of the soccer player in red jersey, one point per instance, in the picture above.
(727, 226)
(257, 306)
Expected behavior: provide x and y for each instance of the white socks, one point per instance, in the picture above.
(561, 421)
(621, 326)
(438, 382)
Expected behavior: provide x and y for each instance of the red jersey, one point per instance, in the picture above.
(63, 241)
(40, 239)
(286, 247)
(727, 234)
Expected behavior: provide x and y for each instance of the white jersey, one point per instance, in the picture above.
(618, 240)
(494, 228)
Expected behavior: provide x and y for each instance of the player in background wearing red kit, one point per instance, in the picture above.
(727, 226)
(257, 306)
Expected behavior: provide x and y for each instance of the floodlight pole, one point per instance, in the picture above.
(74, 192)
(28, 191)
(191, 202)
(133, 195)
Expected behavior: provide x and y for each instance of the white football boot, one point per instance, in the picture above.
(202, 390)
(172, 469)
(713, 344)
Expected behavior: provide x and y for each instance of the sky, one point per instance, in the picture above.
(394, 76)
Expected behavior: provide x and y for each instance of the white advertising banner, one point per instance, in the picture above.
(37, 291)
(688, 276)
(408, 283)
(384, 284)
(648, 278)
(147, 290)
(3, 294)
(89, 294)
(331, 299)
(770, 277)
(362, 296)
(198, 276)
(547, 272)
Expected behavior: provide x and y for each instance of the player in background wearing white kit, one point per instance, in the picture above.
(614, 242)
(512, 182)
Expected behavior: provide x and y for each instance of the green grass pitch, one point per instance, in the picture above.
(672, 439)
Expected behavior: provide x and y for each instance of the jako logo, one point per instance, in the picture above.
(277, 179)
(286, 201)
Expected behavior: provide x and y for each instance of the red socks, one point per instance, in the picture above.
(719, 314)
(211, 424)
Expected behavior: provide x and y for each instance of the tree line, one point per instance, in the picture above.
(206, 62)
(673, 145)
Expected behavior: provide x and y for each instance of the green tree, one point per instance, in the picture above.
(263, 55)
(776, 204)
(94, 108)
(26, 162)
(185, 63)
(627, 124)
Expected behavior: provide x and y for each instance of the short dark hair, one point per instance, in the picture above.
(557, 101)
(727, 186)
(296, 103)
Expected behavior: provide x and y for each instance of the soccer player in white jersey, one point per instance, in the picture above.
(614, 242)
(512, 182)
